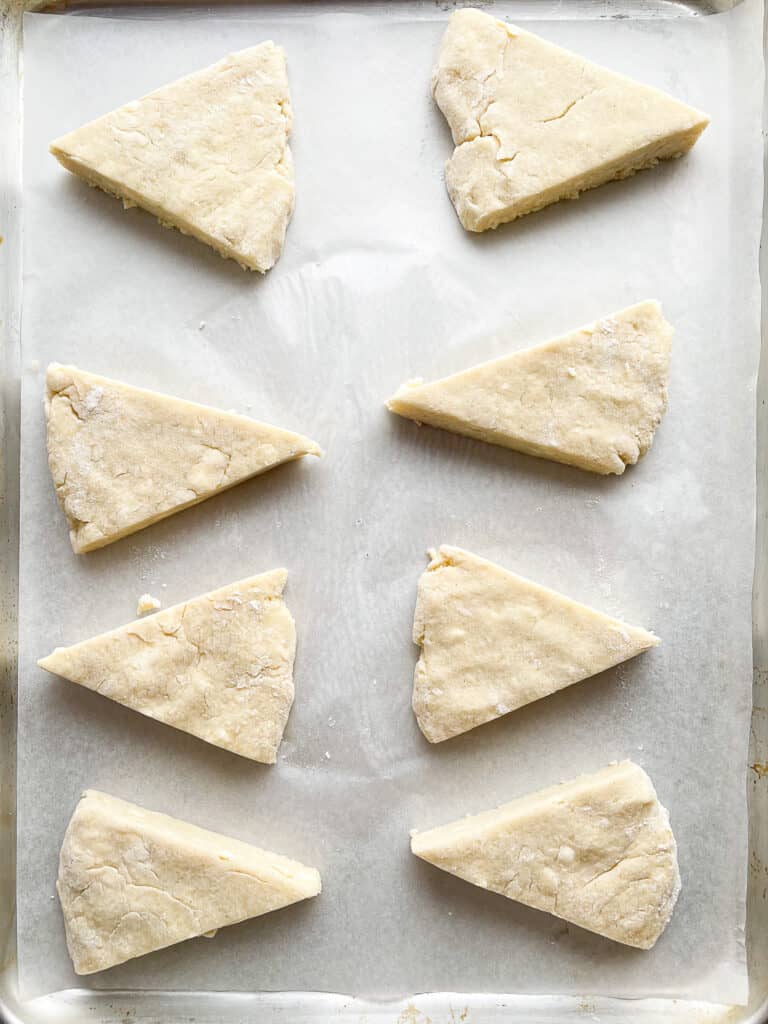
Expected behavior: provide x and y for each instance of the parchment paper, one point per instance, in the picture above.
(378, 283)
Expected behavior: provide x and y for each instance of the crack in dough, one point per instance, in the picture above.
(497, 86)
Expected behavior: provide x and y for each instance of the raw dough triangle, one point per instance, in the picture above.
(493, 642)
(597, 851)
(534, 123)
(207, 154)
(592, 398)
(132, 881)
(122, 458)
(219, 666)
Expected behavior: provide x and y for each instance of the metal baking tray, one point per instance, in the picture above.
(222, 1007)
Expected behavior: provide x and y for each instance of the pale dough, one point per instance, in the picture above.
(122, 458)
(132, 881)
(534, 123)
(207, 154)
(147, 603)
(219, 666)
(492, 642)
(597, 851)
(592, 398)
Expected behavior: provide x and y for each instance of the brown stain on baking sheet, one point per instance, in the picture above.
(760, 768)
(411, 1015)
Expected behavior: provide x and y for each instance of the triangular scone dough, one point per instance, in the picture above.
(132, 881)
(493, 642)
(207, 154)
(122, 458)
(219, 666)
(534, 123)
(592, 398)
(597, 851)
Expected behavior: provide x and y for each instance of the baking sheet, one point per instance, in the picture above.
(379, 283)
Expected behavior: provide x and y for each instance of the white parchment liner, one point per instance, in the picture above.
(379, 283)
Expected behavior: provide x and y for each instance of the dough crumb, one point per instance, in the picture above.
(147, 603)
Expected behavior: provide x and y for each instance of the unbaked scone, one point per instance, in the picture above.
(123, 458)
(597, 851)
(492, 642)
(207, 154)
(592, 398)
(533, 123)
(219, 666)
(132, 881)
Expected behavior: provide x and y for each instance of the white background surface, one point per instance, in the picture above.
(379, 283)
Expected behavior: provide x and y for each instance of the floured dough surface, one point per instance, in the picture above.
(598, 852)
(132, 881)
(122, 458)
(219, 666)
(592, 398)
(534, 123)
(492, 642)
(207, 154)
